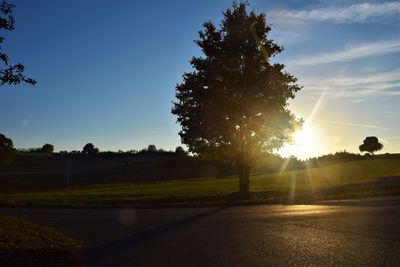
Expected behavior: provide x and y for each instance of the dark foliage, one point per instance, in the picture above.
(89, 148)
(371, 144)
(7, 151)
(338, 157)
(270, 163)
(151, 148)
(234, 105)
(47, 148)
(10, 74)
(180, 152)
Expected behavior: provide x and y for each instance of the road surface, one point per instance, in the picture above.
(263, 235)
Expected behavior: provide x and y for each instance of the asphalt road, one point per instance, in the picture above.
(263, 235)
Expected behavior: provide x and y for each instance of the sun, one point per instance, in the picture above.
(304, 137)
(306, 143)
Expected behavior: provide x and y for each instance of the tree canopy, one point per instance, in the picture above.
(89, 148)
(234, 104)
(7, 151)
(152, 148)
(47, 148)
(179, 151)
(370, 144)
(10, 74)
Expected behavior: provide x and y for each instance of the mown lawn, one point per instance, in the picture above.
(212, 191)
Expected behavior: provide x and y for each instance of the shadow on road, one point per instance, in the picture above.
(100, 253)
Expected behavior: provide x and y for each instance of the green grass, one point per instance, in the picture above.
(212, 191)
(25, 244)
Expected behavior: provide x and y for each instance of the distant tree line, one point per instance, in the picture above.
(46, 148)
(268, 162)
(89, 148)
(338, 157)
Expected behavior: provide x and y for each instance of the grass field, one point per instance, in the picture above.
(215, 191)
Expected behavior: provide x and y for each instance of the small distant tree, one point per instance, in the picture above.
(47, 148)
(89, 148)
(10, 74)
(7, 151)
(180, 152)
(371, 144)
(152, 148)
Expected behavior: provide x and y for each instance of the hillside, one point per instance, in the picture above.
(330, 175)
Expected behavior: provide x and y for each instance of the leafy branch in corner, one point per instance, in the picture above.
(10, 74)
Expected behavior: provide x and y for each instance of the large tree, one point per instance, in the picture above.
(10, 74)
(370, 144)
(234, 104)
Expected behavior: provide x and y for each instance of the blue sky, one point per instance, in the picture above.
(107, 71)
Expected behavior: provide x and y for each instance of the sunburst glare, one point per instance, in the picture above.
(304, 137)
(305, 143)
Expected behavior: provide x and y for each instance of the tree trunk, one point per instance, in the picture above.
(247, 179)
(244, 181)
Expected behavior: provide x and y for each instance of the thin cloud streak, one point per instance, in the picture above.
(351, 53)
(354, 124)
(386, 141)
(392, 137)
(384, 84)
(357, 13)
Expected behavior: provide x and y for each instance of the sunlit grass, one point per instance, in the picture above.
(328, 176)
(289, 183)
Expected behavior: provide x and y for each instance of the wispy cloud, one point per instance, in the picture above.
(384, 83)
(392, 137)
(359, 13)
(353, 124)
(350, 53)
(391, 140)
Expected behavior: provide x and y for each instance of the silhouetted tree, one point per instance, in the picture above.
(293, 163)
(234, 105)
(7, 151)
(152, 148)
(47, 148)
(180, 152)
(370, 144)
(89, 148)
(10, 74)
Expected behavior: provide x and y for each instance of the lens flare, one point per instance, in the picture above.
(304, 137)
